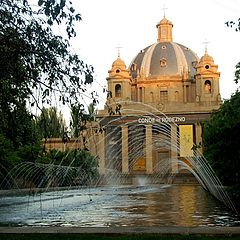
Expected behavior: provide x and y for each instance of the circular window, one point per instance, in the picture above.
(207, 66)
(117, 71)
(164, 47)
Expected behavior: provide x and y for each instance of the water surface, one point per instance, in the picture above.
(155, 205)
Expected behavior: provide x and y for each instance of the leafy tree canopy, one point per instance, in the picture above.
(33, 57)
(79, 118)
(35, 65)
(221, 139)
(234, 24)
(50, 123)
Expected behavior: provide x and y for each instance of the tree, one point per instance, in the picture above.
(17, 125)
(33, 58)
(221, 137)
(18, 141)
(237, 74)
(77, 112)
(79, 117)
(50, 123)
(234, 24)
(91, 112)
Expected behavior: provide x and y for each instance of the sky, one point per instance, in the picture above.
(131, 24)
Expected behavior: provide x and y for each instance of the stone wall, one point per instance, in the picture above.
(57, 143)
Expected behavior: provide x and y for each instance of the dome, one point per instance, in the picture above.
(165, 21)
(164, 59)
(118, 63)
(206, 58)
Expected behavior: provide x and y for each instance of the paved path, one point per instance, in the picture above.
(127, 230)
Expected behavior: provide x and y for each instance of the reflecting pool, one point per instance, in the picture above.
(153, 205)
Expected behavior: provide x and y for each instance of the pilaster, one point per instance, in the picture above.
(174, 148)
(149, 152)
(198, 134)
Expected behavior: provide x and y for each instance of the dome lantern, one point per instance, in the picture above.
(164, 30)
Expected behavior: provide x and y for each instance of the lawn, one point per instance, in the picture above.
(66, 236)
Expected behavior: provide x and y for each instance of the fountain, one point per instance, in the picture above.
(54, 196)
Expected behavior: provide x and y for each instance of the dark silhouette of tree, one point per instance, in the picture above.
(221, 137)
(33, 58)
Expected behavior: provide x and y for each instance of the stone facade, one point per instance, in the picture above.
(154, 110)
(155, 106)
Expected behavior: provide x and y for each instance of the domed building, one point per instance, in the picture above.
(155, 107)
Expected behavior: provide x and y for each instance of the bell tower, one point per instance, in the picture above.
(119, 82)
(207, 80)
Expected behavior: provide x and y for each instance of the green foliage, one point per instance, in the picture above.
(29, 153)
(8, 156)
(221, 137)
(76, 116)
(11, 157)
(33, 57)
(17, 125)
(113, 236)
(50, 123)
(234, 24)
(79, 118)
(18, 139)
(72, 167)
(237, 73)
(72, 158)
(91, 112)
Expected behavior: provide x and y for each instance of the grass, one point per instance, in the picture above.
(43, 236)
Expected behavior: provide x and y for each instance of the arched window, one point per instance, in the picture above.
(207, 86)
(176, 96)
(140, 94)
(151, 97)
(118, 90)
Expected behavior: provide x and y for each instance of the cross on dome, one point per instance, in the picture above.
(206, 45)
(118, 50)
(164, 10)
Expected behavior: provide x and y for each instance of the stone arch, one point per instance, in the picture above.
(118, 90)
(207, 86)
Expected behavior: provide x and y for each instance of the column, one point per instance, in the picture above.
(198, 132)
(174, 148)
(101, 152)
(149, 153)
(125, 168)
